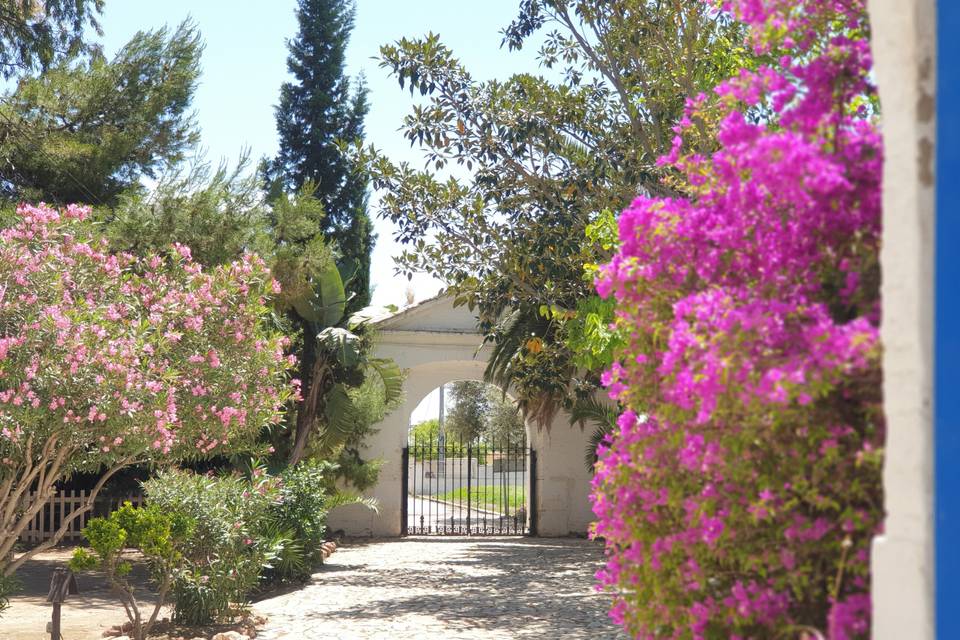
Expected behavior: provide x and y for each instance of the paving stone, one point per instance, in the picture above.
(449, 589)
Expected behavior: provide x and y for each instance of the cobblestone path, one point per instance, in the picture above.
(450, 589)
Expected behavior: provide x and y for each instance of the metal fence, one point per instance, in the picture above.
(467, 488)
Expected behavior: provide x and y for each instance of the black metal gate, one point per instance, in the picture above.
(468, 488)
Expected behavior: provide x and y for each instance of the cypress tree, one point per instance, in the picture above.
(319, 110)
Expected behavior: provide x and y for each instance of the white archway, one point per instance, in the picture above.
(436, 343)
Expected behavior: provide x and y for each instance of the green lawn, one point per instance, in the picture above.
(489, 497)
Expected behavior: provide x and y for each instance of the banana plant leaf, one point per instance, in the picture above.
(342, 344)
(392, 377)
(326, 303)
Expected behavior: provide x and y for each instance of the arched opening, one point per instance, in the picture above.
(468, 468)
(435, 343)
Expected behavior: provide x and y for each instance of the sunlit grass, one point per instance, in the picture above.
(490, 497)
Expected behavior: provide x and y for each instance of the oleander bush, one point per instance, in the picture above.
(227, 550)
(253, 529)
(109, 360)
(299, 518)
(739, 493)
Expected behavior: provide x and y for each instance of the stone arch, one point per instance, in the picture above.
(436, 343)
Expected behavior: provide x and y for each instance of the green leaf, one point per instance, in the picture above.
(392, 377)
(342, 417)
(343, 345)
(327, 301)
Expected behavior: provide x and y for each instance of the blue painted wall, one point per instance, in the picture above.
(947, 321)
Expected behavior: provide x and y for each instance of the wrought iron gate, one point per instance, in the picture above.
(468, 488)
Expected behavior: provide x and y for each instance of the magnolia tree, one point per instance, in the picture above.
(111, 360)
(740, 492)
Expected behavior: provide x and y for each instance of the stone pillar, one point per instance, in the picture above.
(386, 445)
(904, 46)
(563, 481)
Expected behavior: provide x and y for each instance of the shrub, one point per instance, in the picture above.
(227, 551)
(740, 493)
(158, 535)
(301, 513)
(108, 360)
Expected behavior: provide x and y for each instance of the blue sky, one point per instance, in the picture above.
(245, 62)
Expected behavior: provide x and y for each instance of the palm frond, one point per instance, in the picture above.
(604, 418)
(341, 498)
(342, 418)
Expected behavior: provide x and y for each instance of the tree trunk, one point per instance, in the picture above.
(311, 408)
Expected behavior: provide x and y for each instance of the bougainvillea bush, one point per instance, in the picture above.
(108, 360)
(739, 493)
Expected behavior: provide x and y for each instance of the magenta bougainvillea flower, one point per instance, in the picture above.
(740, 492)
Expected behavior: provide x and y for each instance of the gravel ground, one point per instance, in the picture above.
(418, 588)
(450, 589)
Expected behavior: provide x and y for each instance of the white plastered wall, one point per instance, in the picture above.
(436, 343)
(904, 47)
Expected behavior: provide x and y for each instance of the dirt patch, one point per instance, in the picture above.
(84, 616)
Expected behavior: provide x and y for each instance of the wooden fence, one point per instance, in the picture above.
(47, 521)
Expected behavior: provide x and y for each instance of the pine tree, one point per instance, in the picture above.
(86, 130)
(320, 116)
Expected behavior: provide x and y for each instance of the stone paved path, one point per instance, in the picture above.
(450, 589)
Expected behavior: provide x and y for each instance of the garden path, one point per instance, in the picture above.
(450, 589)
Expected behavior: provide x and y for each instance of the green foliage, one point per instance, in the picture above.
(297, 523)
(338, 360)
(602, 415)
(322, 282)
(34, 33)
(251, 528)
(85, 131)
(9, 585)
(467, 419)
(319, 121)
(218, 213)
(227, 552)
(543, 159)
(302, 514)
(160, 536)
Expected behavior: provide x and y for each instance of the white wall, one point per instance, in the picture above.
(904, 47)
(437, 344)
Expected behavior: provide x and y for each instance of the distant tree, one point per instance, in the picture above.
(504, 422)
(482, 410)
(319, 119)
(83, 131)
(36, 33)
(468, 417)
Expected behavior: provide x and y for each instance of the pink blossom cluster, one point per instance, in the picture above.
(108, 357)
(739, 493)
